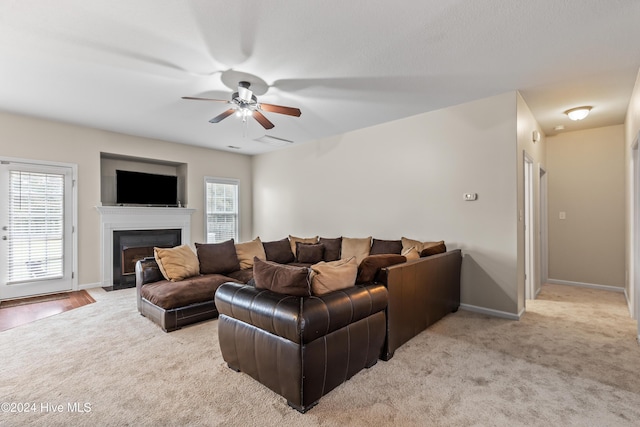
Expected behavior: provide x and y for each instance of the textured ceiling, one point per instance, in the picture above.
(123, 65)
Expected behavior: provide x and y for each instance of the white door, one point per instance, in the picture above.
(36, 228)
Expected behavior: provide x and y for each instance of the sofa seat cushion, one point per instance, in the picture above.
(169, 295)
(242, 275)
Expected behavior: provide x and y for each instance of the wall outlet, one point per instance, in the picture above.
(469, 197)
(563, 215)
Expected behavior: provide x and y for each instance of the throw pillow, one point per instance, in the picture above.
(332, 276)
(309, 253)
(279, 251)
(386, 247)
(177, 263)
(283, 279)
(217, 258)
(248, 250)
(408, 243)
(369, 267)
(436, 248)
(331, 248)
(293, 240)
(358, 248)
(411, 253)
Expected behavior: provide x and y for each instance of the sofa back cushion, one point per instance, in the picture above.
(177, 263)
(279, 251)
(386, 247)
(247, 251)
(282, 279)
(217, 258)
(331, 248)
(358, 248)
(371, 265)
(309, 253)
(332, 276)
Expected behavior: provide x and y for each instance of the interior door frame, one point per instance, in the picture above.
(73, 209)
(529, 241)
(634, 277)
(544, 229)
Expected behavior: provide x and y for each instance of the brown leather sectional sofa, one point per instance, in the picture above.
(303, 347)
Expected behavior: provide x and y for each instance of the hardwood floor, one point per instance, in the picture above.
(18, 312)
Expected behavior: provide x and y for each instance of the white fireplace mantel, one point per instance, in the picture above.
(116, 218)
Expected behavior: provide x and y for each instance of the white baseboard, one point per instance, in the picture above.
(492, 312)
(89, 286)
(585, 285)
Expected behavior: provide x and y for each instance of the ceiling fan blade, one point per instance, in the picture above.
(205, 99)
(222, 116)
(280, 109)
(262, 120)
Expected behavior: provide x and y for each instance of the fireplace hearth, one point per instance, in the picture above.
(129, 246)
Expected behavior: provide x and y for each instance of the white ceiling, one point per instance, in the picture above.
(123, 65)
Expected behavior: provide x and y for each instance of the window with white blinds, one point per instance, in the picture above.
(221, 201)
(36, 225)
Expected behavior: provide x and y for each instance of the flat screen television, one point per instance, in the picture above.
(139, 188)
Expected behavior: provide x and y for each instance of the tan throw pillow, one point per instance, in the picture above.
(294, 239)
(332, 276)
(409, 243)
(411, 253)
(247, 250)
(358, 248)
(177, 263)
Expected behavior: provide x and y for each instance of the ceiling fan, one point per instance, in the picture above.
(245, 104)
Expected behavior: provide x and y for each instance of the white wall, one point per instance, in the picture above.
(586, 181)
(31, 138)
(407, 178)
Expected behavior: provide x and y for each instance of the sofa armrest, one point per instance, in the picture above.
(299, 319)
(147, 271)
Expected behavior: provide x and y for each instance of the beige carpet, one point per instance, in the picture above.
(572, 360)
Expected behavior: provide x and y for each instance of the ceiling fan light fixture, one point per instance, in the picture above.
(578, 113)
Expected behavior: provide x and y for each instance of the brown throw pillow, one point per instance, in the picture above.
(386, 247)
(279, 251)
(309, 253)
(409, 243)
(217, 258)
(283, 279)
(177, 263)
(436, 248)
(332, 276)
(293, 240)
(331, 248)
(371, 265)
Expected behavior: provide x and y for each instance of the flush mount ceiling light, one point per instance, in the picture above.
(578, 113)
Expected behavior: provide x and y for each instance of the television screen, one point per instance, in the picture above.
(138, 188)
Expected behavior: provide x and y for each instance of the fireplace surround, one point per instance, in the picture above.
(133, 219)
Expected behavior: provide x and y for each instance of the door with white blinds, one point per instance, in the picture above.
(36, 223)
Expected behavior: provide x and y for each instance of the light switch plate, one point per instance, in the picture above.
(469, 197)
(563, 215)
